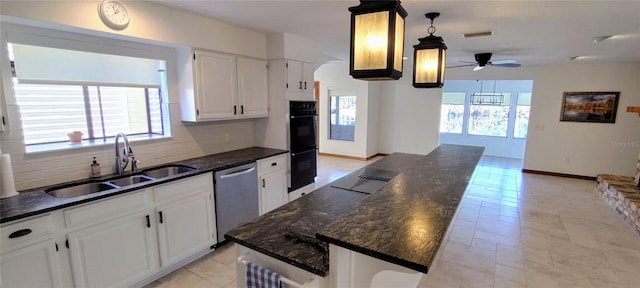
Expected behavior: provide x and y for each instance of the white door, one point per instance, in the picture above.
(252, 87)
(216, 86)
(35, 265)
(185, 227)
(294, 76)
(120, 252)
(273, 191)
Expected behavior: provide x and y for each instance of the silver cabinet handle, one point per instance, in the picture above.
(237, 173)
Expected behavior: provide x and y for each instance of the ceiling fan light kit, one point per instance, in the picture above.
(377, 40)
(429, 58)
(483, 59)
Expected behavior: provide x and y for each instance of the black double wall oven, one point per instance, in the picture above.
(303, 129)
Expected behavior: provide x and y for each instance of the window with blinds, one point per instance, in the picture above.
(49, 111)
(59, 91)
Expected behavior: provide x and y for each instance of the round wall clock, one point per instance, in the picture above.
(113, 14)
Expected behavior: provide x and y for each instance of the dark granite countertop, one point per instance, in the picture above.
(36, 201)
(402, 223)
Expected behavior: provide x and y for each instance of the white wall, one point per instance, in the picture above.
(409, 117)
(568, 147)
(335, 75)
(150, 23)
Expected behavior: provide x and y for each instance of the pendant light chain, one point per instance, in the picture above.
(431, 29)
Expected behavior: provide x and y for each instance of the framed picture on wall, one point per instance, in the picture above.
(598, 107)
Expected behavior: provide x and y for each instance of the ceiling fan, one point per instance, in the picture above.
(483, 59)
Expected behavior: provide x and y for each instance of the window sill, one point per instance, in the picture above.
(86, 144)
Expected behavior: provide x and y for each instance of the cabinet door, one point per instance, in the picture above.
(307, 77)
(35, 265)
(119, 252)
(185, 227)
(252, 87)
(216, 85)
(273, 191)
(294, 76)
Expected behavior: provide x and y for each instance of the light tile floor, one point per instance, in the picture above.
(511, 230)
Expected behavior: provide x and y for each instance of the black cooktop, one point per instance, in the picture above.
(366, 180)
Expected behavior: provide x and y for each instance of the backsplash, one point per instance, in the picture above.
(188, 141)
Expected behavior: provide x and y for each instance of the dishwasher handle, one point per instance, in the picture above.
(234, 174)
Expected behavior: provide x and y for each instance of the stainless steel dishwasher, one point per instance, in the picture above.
(236, 193)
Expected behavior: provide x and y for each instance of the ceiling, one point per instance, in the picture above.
(532, 32)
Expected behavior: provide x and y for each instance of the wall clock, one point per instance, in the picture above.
(113, 14)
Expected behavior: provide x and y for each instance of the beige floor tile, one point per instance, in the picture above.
(212, 270)
(512, 274)
(180, 278)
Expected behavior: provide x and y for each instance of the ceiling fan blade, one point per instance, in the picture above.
(478, 68)
(507, 65)
(465, 65)
(503, 61)
(471, 62)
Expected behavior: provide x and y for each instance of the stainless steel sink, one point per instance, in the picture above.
(80, 189)
(126, 181)
(167, 171)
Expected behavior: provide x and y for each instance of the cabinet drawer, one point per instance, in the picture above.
(25, 231)
(106, 210)
(183, 188)
(272, 164)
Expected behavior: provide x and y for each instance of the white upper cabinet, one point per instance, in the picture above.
(225, 86)
(252, 87)
(299, 80)
(216, 89)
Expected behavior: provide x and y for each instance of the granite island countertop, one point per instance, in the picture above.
(35, 201)
(402, 223)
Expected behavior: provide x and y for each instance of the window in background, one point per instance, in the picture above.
(452, 112)
(522, 115)
(59, 91)
(342, 117)
(489, 114)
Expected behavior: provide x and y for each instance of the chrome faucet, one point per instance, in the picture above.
(123, 160)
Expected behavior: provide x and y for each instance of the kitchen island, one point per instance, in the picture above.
(403, 223)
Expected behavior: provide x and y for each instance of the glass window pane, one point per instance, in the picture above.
(343, 118)
(155, 110)
(451, 118)
(488, 120)
(522, 115)
(451, 112)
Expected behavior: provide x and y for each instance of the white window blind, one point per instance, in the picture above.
(49, 111)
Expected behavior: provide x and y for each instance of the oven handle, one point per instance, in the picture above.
(304, 116)
(234, 174)
(308, 150)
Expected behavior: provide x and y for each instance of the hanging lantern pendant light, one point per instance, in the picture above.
(429, 58)
(377, 40)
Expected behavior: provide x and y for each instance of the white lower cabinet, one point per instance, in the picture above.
(120, 241)
(273, 183)
(273, 191)
(184, 227)
(35, 265)
(29, 254)
(119, 252)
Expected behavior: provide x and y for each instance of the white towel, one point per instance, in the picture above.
(260, 277)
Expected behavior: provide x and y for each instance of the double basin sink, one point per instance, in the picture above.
(86, 188)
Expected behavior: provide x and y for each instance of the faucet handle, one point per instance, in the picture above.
(134, 164)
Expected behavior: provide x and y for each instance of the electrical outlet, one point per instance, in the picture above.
(227, 138)
(567, 160)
